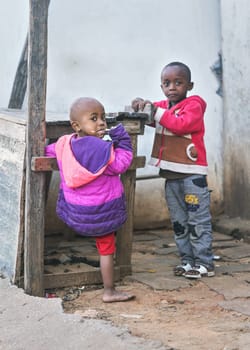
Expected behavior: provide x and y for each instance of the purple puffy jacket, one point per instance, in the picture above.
(91, 197)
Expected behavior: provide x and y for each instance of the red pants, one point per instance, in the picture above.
(106, 244)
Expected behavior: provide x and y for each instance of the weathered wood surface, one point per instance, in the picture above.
(77, 276)
(13, 121)
(12, 159)
(50, 163)
(125, 233)
(36, 129)
(88, 276)
(57, 124)
(20, 82)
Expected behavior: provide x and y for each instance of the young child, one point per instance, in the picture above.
(180, 153)
(91, 197)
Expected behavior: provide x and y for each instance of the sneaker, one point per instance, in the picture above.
(180, 270)
(199, 271)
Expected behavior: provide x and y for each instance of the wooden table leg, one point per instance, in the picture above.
(124, 237)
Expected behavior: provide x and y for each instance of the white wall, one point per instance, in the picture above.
(115, 50)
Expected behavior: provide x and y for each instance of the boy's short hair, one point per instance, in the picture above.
(77, 106)
(182, 65)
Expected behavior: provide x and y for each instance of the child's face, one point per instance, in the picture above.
(90, 120)
(175, 84)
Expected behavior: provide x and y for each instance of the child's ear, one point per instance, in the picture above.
(75, 126)
(190, 86)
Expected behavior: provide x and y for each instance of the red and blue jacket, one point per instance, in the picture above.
(178, 130)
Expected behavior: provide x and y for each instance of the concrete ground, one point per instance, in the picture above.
(32, 323)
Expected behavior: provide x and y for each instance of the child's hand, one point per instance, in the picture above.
(138, 104)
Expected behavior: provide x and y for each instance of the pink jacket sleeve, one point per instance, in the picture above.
(50, 150)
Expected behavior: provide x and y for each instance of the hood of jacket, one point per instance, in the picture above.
(195, 98)
(82, 160)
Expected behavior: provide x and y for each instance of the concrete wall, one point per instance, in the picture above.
(115, 50)
(236, 73)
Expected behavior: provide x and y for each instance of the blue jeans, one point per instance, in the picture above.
(188, 201)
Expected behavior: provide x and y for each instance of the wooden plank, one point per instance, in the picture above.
(35, 181)
(20, 82)
(60, 280)
(12, 159)
(59, 127)
(53, 132)
(134, 126)
(125, 233)
(44, 164)
(15, 116)
(50, 163)
(12, 131)
(57, 124)
(125, 270)
(19, 268)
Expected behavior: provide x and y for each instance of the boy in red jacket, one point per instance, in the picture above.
(180, 153)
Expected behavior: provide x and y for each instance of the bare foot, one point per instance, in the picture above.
(117, 296)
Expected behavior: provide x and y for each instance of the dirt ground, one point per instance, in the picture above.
(184, 318)
(189, 318)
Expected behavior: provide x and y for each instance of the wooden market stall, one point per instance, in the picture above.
(14, 176)
(35, 127)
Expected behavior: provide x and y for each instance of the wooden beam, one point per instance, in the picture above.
(36, 126)
(20, 82)
(124, 236)
(44, 164)
(69, 279)
(57, 128)
(50, 163)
